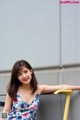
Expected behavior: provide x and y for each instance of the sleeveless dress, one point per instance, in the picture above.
(20, 110)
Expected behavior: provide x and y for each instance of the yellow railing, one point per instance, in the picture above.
(67, 103)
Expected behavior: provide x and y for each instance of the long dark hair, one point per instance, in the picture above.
(15, 83)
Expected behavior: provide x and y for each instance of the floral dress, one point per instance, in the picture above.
(20, 110)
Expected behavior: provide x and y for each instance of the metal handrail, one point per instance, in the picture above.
(67, 103)
(2, 102)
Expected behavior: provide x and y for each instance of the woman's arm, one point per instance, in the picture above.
(48, 89)
(7, 105)
(6, 108)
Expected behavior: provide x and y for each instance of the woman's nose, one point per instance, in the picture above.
(24, 75)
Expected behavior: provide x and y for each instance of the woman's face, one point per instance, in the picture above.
(24, 75)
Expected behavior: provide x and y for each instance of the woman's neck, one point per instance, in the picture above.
(26, 87)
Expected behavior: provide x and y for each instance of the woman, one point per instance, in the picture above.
(22, 99)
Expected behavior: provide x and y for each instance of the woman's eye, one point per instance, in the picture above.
(25, 71)
(19, 74)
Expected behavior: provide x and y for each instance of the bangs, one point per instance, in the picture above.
(19, 69)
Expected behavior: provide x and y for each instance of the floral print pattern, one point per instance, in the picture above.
(20, 110)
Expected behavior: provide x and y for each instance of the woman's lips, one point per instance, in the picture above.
(25, 79)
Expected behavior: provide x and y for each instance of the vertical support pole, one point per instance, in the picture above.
(67, 103)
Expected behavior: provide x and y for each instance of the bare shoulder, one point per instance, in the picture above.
(40, 88)
(8, 103)
(8, 97)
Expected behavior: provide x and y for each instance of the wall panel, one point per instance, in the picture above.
(29, 30)
(70, 30)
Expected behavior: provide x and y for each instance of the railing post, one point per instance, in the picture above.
(67, 103)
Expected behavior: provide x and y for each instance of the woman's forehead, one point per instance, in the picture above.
(22, 68)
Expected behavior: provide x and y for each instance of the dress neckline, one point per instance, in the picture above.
(25, 101)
